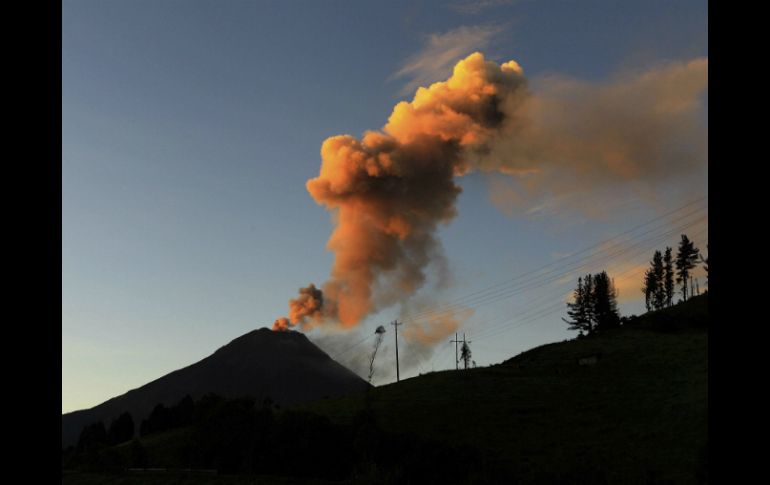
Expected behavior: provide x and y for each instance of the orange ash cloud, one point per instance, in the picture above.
(389, 190)
(305, 308)
(577, 145)
(281, 324)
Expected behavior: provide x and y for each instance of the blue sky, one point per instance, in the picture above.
(189, 129)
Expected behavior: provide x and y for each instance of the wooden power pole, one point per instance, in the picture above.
(457, 359)
(396, 323)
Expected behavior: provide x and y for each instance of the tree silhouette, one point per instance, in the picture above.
(159, 420)
(686, 259)
(668, 277)
(92, 437)
(465, 353)
(590, 303)
(595, 306)
(649, 288)
(182, 413)
(121, 429)
(654, 284)
(605, 302)
(578, 312)
(659, 294)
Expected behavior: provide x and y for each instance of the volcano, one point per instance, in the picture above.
(285, 367)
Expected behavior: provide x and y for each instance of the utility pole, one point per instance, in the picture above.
(457, 359)
(396, 323)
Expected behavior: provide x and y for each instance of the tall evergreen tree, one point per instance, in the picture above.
(465, 354)
(595, 304)
(605, 302)
(649, 288)
(659, 293)
(668, 277)
(578, 311)
(654, 288)
(92, 437)
(686, 259)
(589, 302)
(121, 429)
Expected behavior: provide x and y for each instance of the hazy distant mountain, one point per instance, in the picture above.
(284, 366)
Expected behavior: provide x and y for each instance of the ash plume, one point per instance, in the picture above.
(582, 146)
(390, 190)
(305, 308)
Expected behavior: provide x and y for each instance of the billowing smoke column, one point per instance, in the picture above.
(390, 190)
(307, 306)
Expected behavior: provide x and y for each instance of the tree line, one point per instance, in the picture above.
(664, 270)
(594, 305)
(96, 435)
(242, 436)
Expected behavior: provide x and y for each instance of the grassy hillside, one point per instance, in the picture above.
(636, 413)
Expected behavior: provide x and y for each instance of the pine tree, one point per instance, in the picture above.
(92, 437)
(654, 288)
(686, 260)
(595, 304)
(668, 277)
(581, 310)
(590, 303)
(649, 288)
(659, 293)
(577, 309)
(121, 429)
(605, 302)
(465, 353)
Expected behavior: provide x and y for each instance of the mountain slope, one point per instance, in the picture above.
(635, 411)
(284, 366)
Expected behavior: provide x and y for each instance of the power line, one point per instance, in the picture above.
(597, 245)
(351, 347)
(500, 287)
(538, 280)
(559, 304)
(536, 313)
(556, 273)
(500, 292)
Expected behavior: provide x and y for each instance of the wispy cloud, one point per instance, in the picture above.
(474, 7)
(441, 52)
(602, 148)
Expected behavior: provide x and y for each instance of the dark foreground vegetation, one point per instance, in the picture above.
(627, 405)
(237, 436)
